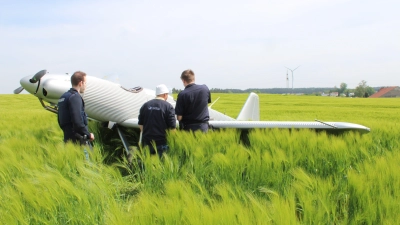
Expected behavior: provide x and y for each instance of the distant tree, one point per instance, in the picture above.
(360, 89)
(342, 89)
(347, 93)
(370, 91)
(363, 90)
(176, 91)
(335, 89)
(305, 91)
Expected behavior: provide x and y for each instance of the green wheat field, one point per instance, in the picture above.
(279, 177)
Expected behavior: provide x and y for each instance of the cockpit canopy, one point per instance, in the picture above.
(133, 90)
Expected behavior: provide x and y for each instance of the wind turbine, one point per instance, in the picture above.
(287, 80)
(292, 75)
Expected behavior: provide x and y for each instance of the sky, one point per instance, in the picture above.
(227, 43)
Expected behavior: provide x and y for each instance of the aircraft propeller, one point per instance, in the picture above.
(33, 80)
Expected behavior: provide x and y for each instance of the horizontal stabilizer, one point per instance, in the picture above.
(213, 103)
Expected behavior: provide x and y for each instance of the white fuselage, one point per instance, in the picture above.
(104, 100)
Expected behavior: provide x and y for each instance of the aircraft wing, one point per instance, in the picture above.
(318, 125)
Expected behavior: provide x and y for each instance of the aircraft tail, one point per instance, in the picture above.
(251, 109)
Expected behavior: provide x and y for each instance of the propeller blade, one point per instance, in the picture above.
(37, 76)
(18, 90)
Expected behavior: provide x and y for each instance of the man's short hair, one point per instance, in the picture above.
(77, 77)
(187, 75)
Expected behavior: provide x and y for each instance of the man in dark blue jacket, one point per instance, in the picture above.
(155, 118)
(192, 104)
(72, 118)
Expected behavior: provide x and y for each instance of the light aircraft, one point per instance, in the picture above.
(106, 101)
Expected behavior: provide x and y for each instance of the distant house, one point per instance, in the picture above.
(387, 92)
(334, 94)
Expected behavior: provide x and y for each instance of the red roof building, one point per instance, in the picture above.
(387, 92)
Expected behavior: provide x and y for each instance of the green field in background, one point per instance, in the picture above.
(281, 177)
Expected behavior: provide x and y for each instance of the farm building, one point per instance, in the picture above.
(387, 92)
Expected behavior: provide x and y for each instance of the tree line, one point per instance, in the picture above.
(362, 90)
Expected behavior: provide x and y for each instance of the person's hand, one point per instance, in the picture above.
(91, 136)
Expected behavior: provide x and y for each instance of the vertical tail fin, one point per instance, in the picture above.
(251, 109)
